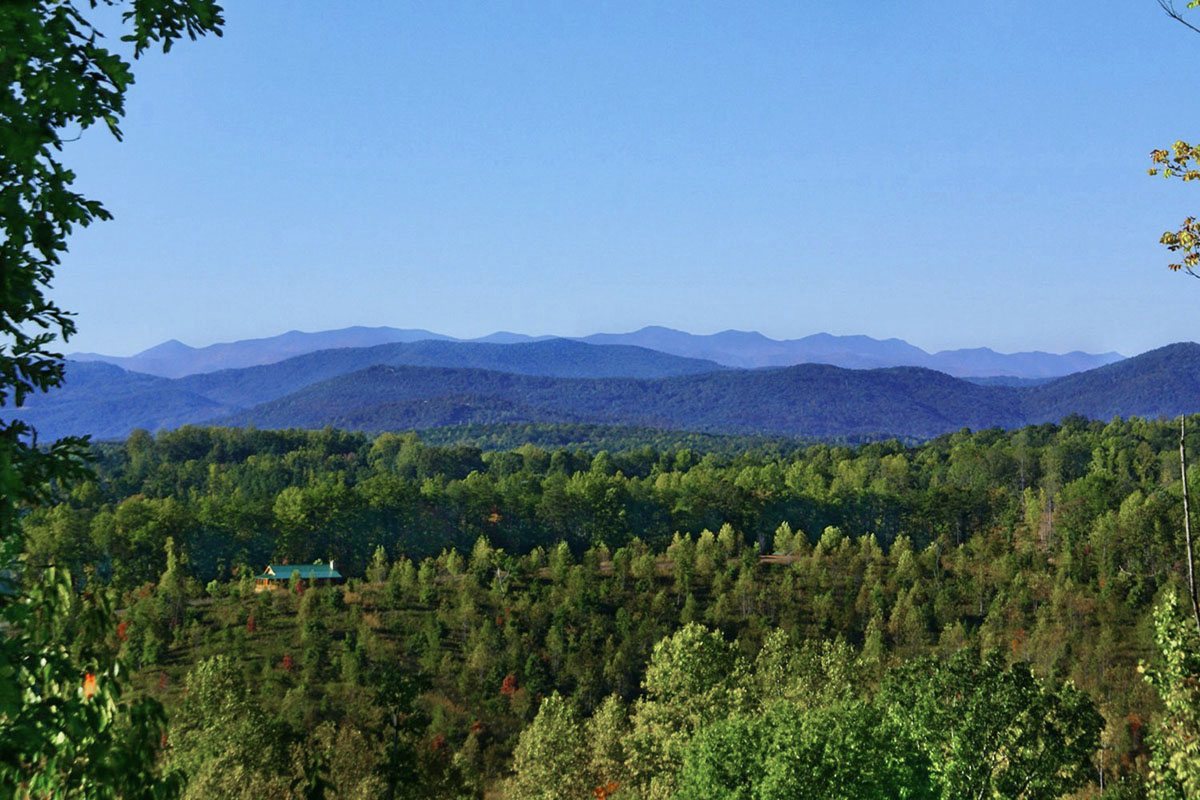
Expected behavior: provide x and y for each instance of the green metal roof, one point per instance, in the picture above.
(283, 572)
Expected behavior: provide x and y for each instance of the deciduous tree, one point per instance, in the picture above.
(59, 717)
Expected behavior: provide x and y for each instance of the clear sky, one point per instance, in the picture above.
(954, 174)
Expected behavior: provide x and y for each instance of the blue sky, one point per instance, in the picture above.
(954, 174)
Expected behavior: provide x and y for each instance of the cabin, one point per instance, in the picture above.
(278, 575)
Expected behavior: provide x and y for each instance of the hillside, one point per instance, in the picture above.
(591, 438)
(562, 358)
(1161, 383)
(808, 400)
(107, 402)
(489, 581)
(433, 384)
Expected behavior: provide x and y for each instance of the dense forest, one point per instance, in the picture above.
(564, 610)
(962, 618)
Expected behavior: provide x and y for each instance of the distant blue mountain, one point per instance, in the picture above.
(809, 400)
(559, 358)
(174, 359)
(507, 337)
(743, 349)
(750, 349)
(107, 402)
(433, 384)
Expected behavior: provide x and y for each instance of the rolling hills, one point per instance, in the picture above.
(561, 358)
(433, 384)
(809, 400)
(108, 402)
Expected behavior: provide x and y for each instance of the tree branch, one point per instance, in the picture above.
(1168, 8)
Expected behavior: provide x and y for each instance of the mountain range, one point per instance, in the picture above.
(436, 383)
(740, 349)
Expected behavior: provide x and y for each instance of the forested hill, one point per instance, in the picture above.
(108, 401)
(560, 358)
(978, 596)
(810, 400)
(557, 381)
(1161, 383)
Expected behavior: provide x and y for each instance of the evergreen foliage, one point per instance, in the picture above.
(967, 617)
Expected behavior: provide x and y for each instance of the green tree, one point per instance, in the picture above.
(695, 677)
(992, 731)
(551, 757)
(1175, 763)
(839, 752)
(63, 728)
(606, 730)
(377, 570)
(221, 739)
(66, 729)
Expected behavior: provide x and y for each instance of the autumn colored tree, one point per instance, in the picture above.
(1181, 160)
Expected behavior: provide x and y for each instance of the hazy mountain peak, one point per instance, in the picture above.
(730, 348)
(169, 349)
(733, 334)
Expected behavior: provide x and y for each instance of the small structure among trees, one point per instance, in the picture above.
(280, 575)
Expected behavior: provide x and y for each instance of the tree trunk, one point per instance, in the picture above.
(1187, 527)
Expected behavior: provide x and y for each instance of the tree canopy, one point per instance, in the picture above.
(65, 729)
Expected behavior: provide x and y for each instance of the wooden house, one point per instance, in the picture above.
(278, 575)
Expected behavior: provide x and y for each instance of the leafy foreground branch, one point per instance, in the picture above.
(65, 730)
(1175, 765)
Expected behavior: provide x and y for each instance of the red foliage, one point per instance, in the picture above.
(603, 792)
(122, 630)
(476, 727)
(287, 664)
(251, 625)
(162, 680)
(509, 686)
(1018, 641)
(299, 587)
(438, 742)
(1136, 726)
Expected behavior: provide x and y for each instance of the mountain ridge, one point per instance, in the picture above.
(730, 348)
(810, 400)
